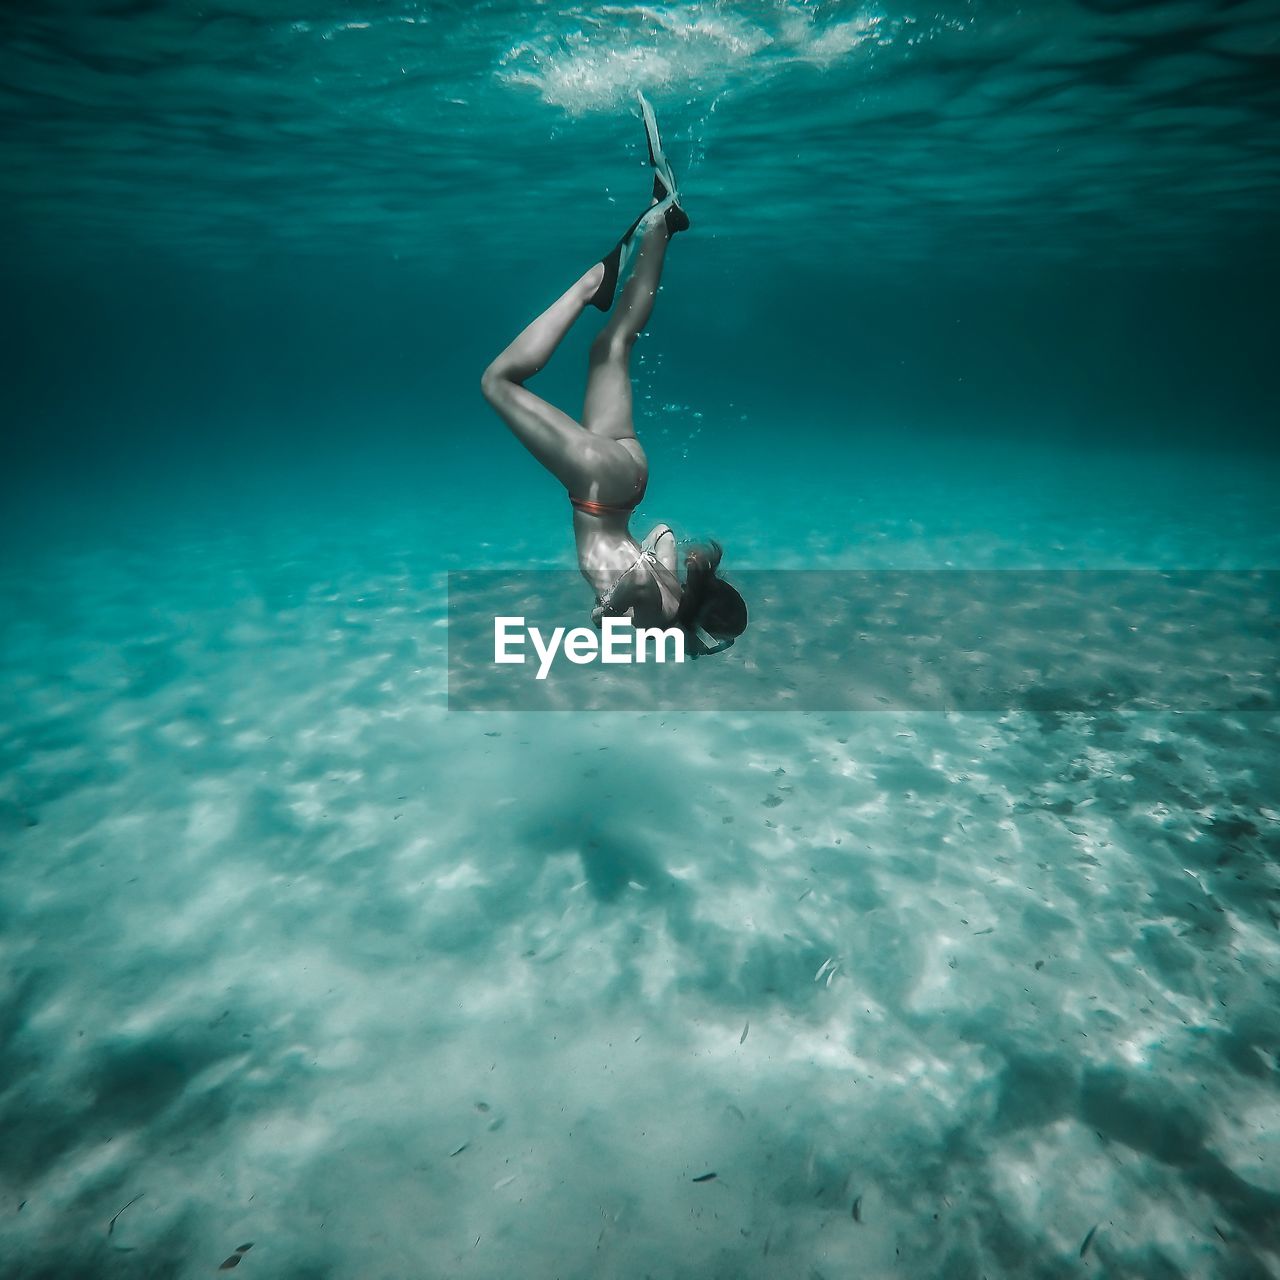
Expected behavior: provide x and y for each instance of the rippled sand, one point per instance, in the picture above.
(300, 958)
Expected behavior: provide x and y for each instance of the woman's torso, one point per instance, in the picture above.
(623, 574)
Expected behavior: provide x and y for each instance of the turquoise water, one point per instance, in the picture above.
(296, 955)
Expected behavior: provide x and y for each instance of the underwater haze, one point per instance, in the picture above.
(314, 970)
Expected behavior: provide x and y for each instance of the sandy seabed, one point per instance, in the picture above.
(297, 958)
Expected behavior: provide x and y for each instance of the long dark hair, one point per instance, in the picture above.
(708, 603)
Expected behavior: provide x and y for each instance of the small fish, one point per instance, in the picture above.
(1039, 964)
(244, 1248)
(112, 1225)
(233, 1261)
(457, 1151)
(857, 1209)
(1088, 1240)
(504, 1182)
(743, 1036)
(804, 895)
(826, 964)
(704, 1177)
(982, 931)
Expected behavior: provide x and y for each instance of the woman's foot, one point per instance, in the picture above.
(676, 218)
(668, 210)
(592, 282)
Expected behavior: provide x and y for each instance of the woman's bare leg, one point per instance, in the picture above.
(554, 438)
(607, 409)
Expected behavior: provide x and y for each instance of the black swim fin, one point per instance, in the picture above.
(664, 179)
(664, 192)
(603, 296)
(613, 264)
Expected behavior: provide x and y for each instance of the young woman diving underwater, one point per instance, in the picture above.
(599, 460)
